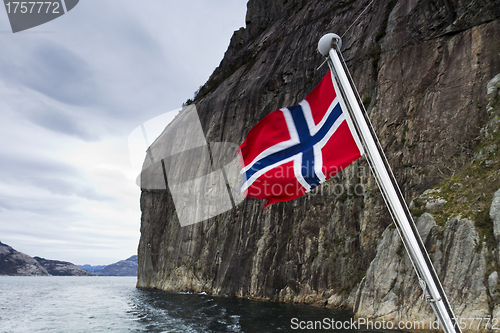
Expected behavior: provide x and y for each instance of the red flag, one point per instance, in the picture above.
(293, 150)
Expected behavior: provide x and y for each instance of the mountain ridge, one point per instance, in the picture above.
(15, 263)
(423, 70)
(127, 267)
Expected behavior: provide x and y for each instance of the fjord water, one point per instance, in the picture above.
(113, 304)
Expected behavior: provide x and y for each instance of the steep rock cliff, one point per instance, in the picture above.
(457, 220)
(421, 68)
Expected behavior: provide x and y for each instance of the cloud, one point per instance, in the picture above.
(60, 74)
(43, 176)
(59, 121)
(52, 70)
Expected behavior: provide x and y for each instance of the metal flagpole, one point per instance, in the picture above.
(328, 46)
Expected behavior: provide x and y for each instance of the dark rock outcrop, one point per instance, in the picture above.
(61, 268)
(127, 267)
(421, 68)
(457, 222)
(495, 215)
(13, 262)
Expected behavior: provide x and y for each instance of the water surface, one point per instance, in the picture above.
(113, 304)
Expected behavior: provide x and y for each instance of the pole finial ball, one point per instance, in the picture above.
(327, 42)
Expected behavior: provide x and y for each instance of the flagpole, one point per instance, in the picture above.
(328, 46)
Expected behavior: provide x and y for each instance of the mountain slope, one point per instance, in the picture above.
(127, 267)
(13, 262)
(92, 268)
(61, 268)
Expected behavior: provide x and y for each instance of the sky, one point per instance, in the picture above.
(71, 92)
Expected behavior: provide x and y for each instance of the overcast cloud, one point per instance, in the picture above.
(71, 91)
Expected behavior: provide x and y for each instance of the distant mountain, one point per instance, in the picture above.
(92, 268)
(13, 262)
(62, 268)
(126, 267)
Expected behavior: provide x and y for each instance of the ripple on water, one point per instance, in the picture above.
(113, 304)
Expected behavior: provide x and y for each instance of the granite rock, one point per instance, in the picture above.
(495, 215)
(421, 68)
(392, 291)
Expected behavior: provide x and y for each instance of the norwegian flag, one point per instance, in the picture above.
(293, 150)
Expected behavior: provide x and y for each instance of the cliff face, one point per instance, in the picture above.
(422, 68)
(458, 222)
